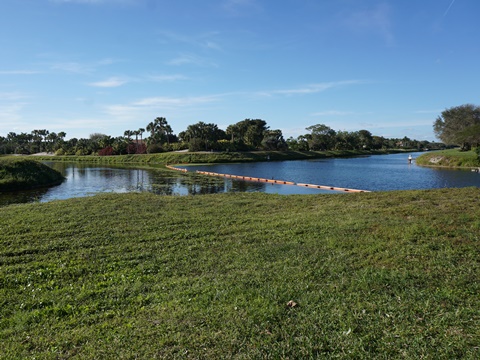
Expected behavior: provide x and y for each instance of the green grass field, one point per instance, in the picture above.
(127, 276)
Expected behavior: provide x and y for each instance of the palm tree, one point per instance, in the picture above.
(151, 129)
(140, 132)
(168, 130)
(128, 134)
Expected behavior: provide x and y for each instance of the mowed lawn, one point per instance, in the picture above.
(242, 276)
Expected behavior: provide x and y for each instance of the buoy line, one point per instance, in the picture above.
(271, 181)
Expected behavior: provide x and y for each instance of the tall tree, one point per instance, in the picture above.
(322, 137)
(159, 130)
(248, 131)
(273, 140)
(202, 135)
(140, 132)
(366, 139)
(128, 134)
(459, 125)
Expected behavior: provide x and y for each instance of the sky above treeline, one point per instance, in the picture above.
(105, 66)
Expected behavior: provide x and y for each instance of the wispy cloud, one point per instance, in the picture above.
(309, 89)
(332, 113)
(428, 111)
(167, 78)
(116, 81)
(163, 101)
(73, 67)
(448, 9)
(19, 72)
(376, 20)
(189, 59)
(84, 68)
(110, 83)
(93, 2)
(138, 108)
(10, 115)
(241, 7)
(202, 40)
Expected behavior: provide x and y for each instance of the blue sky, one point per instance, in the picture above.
(106, 66)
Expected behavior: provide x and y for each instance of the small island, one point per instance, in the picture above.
(21, 174)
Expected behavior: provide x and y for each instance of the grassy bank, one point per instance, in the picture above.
(19, 173)
(450, 158)
(372, 275)
(214, 157)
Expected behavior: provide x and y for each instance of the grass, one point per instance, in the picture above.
(450, 158)
(374, 275)
(20, 173)
(215, 157)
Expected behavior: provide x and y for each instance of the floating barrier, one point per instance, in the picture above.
(174, 168)
(272, 181)
(333, 188)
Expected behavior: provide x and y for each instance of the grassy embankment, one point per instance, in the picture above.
(374, 275)
(450, 158)
(214, 157)
(18, 173)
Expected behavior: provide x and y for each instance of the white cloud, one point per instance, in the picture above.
(203, 40)
(109, 83)
(73, 67)
(82, 68)
(167, 78)
(309, 89)
(188, 59)
(163, 101)
(332, 113)
(19, 72)
(13, 96)
(142, 108)
(10, 116)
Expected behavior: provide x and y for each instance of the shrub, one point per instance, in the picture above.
(108, 151)
(154, 149)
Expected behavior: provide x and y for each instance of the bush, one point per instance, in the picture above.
(154, 149)
(108, 151)
(196, 144)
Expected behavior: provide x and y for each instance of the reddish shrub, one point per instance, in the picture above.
(108, 151)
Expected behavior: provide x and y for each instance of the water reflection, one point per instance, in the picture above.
(87, 179)
(380, 172)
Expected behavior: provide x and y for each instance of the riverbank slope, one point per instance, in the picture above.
(216, 157)
(245, 275)
(19, 173)
(453, 158)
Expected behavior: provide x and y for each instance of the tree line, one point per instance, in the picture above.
(245, 135)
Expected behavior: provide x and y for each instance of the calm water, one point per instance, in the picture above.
(375, 173)
(89, 179)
